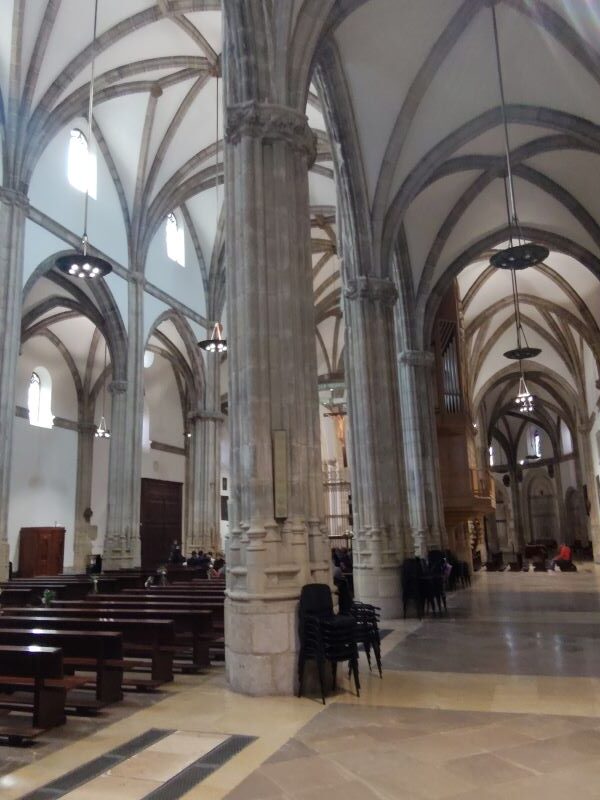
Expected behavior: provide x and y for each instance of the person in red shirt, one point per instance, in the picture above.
(563, 557)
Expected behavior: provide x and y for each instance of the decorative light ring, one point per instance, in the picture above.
(102, 431)
(519, 353)
(520, 256)
(80, 265)
(215, 344)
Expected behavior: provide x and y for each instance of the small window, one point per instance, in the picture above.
(491, 455)
(81, 164)
(39, 399)
(537, 444)
(175, 240)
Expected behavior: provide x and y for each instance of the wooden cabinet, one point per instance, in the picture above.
(41, 551)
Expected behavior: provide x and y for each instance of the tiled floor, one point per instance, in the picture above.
(499, 700)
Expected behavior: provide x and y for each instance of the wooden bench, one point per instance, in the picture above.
(193, 624)
(37, 669)
(215, 605)
(142, 637)
(13, 596)
(100, 652)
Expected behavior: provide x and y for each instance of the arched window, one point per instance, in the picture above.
(39, 398)
(175, 240)
(537, 444)
(491, 455)
(81, 164)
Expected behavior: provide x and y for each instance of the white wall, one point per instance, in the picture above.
(43, 477)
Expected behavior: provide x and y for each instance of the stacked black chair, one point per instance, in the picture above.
(325, 636)
(367, 621)
(436, 579)
(367, 630)
(413, 586)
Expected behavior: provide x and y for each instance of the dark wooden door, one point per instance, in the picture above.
(160, 520)
(41, 551)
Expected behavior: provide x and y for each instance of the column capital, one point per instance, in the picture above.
(198, 416)
(374, 290)
(117, 387)
(416, 358)
(14, 198)
(270, 121)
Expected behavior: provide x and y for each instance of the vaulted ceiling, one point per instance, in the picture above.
(422, 103)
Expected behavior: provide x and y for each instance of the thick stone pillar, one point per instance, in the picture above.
(277, 539)
(375, 444)
(122, 542)
(13, 209)
(203, 503)
(423, 485)
(85, 533)
(587, 464)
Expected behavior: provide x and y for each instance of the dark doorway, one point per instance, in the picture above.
(160, 520)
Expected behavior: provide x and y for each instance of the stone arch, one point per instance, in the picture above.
(193, 375)
(428, 305)
(587, 132)
(112, 326)
(542, 507)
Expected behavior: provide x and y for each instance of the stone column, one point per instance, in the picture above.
(13, 210)
(122, 547)
(587, 464)
(85, 533)
(277, 539)
(375, 444)
(423, 485)
(203, 476)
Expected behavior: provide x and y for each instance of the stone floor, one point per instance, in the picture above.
(500, 699)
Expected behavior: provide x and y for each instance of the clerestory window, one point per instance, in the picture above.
(81, 164)
(39, 399)
(175, 240)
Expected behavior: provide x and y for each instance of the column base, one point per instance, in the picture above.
(381, 587)
(115, 559)
(82, 546)
(261, 646)
(4, 560)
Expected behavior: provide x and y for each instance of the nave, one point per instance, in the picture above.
(495, 725)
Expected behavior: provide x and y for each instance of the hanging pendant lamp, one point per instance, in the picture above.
(102, 431)
(216, 344)
(80, 264)
(524, 399)
(520, 254)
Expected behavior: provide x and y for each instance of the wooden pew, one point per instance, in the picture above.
(100, 652)
(193, 623)
(154, 638)
(16, 596)
(212, 603)
(38, 669)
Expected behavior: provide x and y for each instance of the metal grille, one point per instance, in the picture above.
(189, 777)
(92, 769)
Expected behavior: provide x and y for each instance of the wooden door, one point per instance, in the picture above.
(160, 520)
(41, 551)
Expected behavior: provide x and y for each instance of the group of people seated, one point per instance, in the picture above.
(213, 564)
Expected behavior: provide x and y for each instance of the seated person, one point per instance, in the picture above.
(219, 562)
(175, 556)
(563, 558)
(193, 560)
